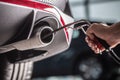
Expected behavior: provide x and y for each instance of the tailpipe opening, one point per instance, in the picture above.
(45, 30)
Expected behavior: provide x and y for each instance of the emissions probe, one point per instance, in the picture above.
(83, 25)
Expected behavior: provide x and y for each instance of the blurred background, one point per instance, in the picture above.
(79, 62)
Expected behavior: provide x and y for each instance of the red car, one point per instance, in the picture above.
(23, 25)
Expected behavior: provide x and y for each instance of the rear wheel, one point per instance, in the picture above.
(14, 71)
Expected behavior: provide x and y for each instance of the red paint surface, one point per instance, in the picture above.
(66, 32)
(28, 3)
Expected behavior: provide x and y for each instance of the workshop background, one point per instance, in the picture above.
(79, 62)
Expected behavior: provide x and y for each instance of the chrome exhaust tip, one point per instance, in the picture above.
(43, 31)
(37, 41)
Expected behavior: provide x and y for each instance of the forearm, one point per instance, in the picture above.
(115, 32)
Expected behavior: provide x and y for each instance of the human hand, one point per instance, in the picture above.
(101, 31)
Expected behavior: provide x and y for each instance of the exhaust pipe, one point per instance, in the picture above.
(37, 41)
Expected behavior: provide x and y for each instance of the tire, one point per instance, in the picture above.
(14, 71)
